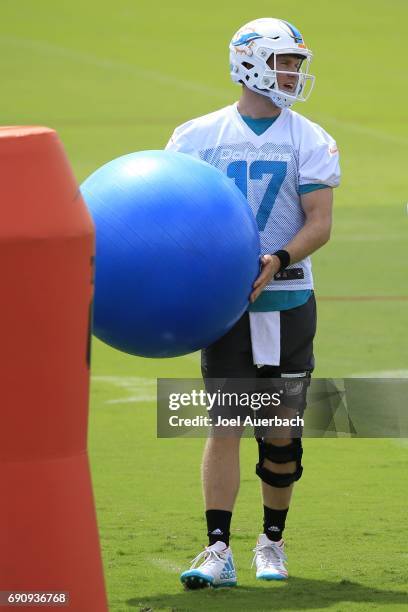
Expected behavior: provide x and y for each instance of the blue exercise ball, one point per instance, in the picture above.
(177, 252)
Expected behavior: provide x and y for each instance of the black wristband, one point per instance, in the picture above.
(283, 257)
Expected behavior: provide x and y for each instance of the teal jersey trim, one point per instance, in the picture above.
(280, 300)
(259, 126)
(311, 187)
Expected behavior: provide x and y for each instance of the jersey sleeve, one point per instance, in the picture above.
(180, 143)
(319, 160)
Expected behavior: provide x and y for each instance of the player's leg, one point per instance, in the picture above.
(280, 459)
(279, 467)
(229, 358)
(220, 477)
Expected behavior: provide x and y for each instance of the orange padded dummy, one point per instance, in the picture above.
(48, 531)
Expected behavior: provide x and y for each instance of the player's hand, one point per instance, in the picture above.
(270, 266)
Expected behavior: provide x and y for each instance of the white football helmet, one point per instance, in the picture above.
(253, 45)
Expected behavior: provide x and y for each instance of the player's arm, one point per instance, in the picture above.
(317, 206)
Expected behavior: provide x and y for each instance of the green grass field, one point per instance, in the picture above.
(118, 77)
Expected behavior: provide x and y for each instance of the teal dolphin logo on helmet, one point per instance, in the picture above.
(245, 39)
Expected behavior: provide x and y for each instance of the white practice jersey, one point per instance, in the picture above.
(269, 169)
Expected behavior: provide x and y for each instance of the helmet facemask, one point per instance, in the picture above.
(302, 82)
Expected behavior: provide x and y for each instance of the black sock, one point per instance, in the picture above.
(274, 523)
(218, 526)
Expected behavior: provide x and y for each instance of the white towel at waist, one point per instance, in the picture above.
(265, 337)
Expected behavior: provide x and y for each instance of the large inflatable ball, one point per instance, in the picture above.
(177, 251)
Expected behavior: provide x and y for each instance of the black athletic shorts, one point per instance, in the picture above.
(230, 358)
(231, 355)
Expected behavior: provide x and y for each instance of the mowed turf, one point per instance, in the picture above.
(118, 77)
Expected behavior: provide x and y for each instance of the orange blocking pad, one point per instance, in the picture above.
(48, 530)
(50, 542)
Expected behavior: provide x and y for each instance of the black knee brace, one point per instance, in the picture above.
(279, 454)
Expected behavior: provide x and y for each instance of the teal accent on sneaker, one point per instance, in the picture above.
(195, 573)
(266, 576)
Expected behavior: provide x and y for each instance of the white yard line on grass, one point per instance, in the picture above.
(165, 564)
(138, 389)
(44, 46)
(364, 130)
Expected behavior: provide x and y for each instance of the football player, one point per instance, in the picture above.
(287, 167)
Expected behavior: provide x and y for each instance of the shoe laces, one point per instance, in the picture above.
(269, 553)
(210, 556)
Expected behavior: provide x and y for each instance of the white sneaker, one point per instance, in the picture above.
(270, 559)
(216, 570)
